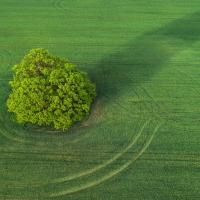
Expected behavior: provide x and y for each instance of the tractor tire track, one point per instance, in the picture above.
(111, 174)
(99, 167)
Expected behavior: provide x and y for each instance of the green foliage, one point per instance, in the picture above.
(49, 91)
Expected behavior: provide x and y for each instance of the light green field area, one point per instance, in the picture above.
(142, 139)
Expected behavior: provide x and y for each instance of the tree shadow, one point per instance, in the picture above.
(138, 61)
(186, 29)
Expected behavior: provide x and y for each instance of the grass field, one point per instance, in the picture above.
(142, 139)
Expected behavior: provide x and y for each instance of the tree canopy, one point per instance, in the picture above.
(49, 91)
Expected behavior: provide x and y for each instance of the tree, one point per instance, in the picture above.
(49, 91)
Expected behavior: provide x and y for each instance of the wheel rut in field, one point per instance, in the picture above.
(103, 165)
(118, 163)
(111, 173)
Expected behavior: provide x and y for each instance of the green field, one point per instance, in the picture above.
(142, 139)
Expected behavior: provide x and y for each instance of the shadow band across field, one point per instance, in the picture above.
(138, 61)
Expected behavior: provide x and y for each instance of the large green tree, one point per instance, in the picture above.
(49, 91)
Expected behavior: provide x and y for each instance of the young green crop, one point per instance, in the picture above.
(49, 91)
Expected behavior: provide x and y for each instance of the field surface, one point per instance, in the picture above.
(142, 139)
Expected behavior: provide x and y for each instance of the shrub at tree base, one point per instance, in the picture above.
(49, 91)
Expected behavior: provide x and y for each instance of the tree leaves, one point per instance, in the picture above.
(49, 91)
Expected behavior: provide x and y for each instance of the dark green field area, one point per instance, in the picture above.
(142, 139)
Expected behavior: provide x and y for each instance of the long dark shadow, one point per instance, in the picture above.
(138, 61)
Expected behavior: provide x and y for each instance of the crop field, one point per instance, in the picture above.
(142, 138)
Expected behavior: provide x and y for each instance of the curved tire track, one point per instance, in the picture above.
(101, 166)
(109, 175)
